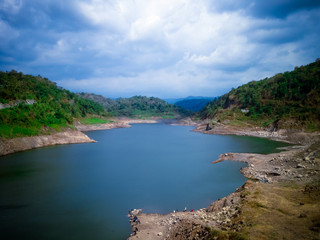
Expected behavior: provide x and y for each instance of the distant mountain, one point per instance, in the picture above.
(174, 100)
(194, 104)
(286, 100)
(32, 105)
(137, 106)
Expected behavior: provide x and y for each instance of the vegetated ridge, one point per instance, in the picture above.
(175, 100)
(286, 100)
(33, 105)
(194, 104)
(136, 106)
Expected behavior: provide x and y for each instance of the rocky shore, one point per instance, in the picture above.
(280, 200)
(284, 185)
(283, 135)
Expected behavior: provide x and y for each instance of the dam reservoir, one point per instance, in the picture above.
(84, 191)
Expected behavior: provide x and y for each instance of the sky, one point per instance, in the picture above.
(161, 48)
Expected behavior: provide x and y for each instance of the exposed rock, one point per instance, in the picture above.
(228, 201)
(8, 146)
(16, 103)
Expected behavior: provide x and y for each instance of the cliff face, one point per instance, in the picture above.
(8, 146)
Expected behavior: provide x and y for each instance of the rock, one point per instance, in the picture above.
(159, 234)
(300, 166)
(136, 211)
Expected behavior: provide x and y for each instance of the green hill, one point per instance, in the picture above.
(32, 105)
(287, 100)
(194, 105)
(137, 106)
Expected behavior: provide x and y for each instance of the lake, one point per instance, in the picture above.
(84, 191)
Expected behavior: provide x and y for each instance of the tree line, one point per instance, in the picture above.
(53, 106)
(293, 94)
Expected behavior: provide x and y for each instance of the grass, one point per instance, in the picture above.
(7, 131)
(147, 115)
(225, 235)
(272, 211)
(94, 120)
(312, 127)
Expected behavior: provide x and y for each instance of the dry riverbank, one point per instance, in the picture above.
(115, 123)
(285, 186)
(8, 146)
(284, 135)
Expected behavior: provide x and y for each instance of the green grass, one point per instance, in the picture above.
(149, 114)
(312, 127)
(7, 131)
(93, 120)
(13, 131)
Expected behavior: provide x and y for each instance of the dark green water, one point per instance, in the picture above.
(84, 191)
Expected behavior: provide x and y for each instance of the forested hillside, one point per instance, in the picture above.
(137, 106)
(291, 98)
(194, 105)
(32, 105)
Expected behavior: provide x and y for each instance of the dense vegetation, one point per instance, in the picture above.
(137, 106)
(36, 105)
(194, 105)
(286, 97)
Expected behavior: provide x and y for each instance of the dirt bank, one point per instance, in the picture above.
(8, 146)
(285, 135)
(293, 190)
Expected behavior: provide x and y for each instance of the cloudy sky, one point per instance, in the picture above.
(162, 48)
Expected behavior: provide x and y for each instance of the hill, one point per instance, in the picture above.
(175, 100)
(286, 100)
(194, 104)
(137, 106)
(30, 105)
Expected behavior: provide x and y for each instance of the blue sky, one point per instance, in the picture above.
(162, 48)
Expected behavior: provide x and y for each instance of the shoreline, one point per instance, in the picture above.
(20, 144)
(9, 146)
(223, 214)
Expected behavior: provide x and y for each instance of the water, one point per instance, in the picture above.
(84, 191)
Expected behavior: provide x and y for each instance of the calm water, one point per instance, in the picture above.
(84, 191)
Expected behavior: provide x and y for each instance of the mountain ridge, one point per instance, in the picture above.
(136, 106)
(286, 100)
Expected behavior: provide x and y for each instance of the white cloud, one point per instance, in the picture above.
(166, 47)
